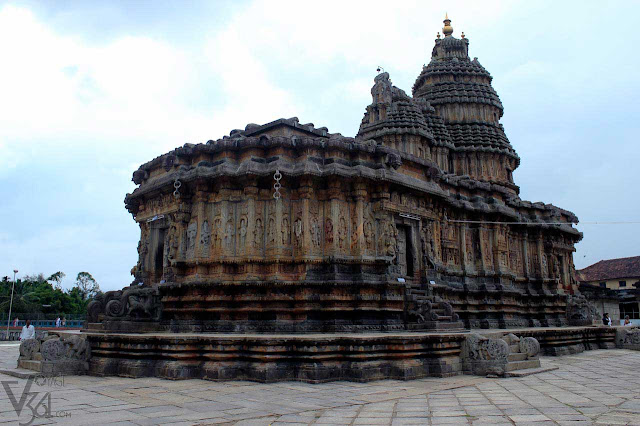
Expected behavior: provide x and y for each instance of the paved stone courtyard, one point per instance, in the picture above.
(594, 387)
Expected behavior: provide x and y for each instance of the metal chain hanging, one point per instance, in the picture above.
(176, 184)
(276, 186)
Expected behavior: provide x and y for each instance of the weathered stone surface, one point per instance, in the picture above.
(497, 355)
(269, 358)
(628, 338)
(62, 353)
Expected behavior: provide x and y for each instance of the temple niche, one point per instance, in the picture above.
(359, 233)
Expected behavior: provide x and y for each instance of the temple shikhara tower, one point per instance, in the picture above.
(414, 223)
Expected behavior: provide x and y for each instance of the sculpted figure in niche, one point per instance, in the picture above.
(368, 235)
(556, 268)
(392, 241)
(217, 233)
(315, 232)
(228, 236)
(243, 231)
(192, 231)
(205, 234)
(272, 231)
(297, 232)
(354, 234)
(329, 231)
(258, 233)
(428, 246)
(285, 231)
(342, 233)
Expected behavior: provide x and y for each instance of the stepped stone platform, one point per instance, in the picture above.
(317, 357)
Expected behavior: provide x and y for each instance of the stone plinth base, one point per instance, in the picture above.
(320, 357)
(54, 368)
(571, 340)
(270, 358)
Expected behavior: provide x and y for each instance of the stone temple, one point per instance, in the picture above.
(285, 229)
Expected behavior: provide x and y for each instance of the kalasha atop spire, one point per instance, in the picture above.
(447, 30)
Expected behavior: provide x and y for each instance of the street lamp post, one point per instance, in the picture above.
(13, 285)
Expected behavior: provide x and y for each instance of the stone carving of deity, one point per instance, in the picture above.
(354, 234)
(315, 232)
(368, 235)
(243, 231)
(205, 234)
(286, 232)
(217, 233)
(328, 230)
(228, 236)
(428, 245)
(342, 233)
(297, 232)
(192, 231)
(258, 233)
(392, 241)
(272, 231)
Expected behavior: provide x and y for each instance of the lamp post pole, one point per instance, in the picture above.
(13, 285)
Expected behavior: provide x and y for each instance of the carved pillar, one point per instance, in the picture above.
(334, 214)
(463, 247)
(279, 209)
(225, 215)
(306, 191)
(251, 193)
(525, 254)
(482, 232)
(542, 265)
(200, 200)
(497, 266)
(359, 194)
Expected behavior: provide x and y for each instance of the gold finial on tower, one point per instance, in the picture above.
(462, 34)
(438, 35)
(448, 29)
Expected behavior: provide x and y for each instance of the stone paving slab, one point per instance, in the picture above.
(596, 387)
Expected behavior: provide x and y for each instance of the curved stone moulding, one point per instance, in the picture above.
(310, 358)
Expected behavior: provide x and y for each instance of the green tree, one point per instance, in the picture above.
(57, 279)
(86, 285)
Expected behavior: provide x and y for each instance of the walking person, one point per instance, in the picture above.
(606, 320)
(627, 321)
(58, 322)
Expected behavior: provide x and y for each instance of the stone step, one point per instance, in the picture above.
(444, 318)
(522, 365)
(516, 357)
(95, 326)
(529, 371)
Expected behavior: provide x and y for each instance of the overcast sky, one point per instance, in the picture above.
(91, 90)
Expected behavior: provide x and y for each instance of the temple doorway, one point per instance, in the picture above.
(405, 251)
